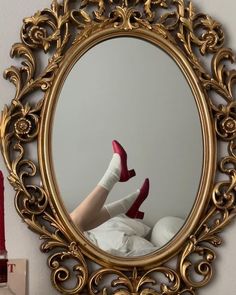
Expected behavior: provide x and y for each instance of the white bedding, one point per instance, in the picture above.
(122, 236)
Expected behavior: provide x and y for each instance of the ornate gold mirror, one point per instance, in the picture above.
(137, 72)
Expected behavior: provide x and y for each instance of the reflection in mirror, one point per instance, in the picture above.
(132, 91)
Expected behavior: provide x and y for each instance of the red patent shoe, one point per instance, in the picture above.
(125, 174)
(133, 211)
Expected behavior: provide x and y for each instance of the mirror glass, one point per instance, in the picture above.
(129, 90)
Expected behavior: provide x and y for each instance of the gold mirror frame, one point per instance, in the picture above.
(64, 30)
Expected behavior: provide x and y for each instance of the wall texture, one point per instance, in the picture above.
(21, 242)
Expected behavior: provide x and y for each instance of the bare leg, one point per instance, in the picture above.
(102, 217)
(90, 213)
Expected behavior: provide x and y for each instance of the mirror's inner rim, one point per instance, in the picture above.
(208, 138)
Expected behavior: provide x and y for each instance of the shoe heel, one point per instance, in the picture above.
(132, 173)
(139, 215)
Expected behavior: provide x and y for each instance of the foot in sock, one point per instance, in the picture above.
(130, 204)
(117, 169)
(125, 174)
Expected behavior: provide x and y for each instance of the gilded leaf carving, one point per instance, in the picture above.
(58, 29)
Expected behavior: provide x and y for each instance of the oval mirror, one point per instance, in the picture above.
(129, 90)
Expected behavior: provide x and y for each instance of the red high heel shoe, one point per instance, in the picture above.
(133, 211)
(125, 173)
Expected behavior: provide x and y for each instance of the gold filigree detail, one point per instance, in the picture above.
(35, 35)
(207, 232)
(128, 19)
(22, 126)
(148, 6)
(59, 29)
(225, 121)
(212, 39)
(136, 283)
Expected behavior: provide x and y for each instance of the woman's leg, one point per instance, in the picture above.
(89, 210)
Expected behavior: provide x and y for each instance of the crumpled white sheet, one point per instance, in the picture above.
(122, 236)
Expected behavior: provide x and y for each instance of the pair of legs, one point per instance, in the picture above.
(92, 212)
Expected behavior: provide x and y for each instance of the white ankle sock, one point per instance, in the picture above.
(112, 175)
(121, 206)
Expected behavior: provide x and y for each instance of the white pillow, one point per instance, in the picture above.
(165, 229)
(117, 235)
(124, 224)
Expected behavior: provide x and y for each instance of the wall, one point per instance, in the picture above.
(22, 243)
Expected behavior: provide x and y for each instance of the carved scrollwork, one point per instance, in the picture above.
(137, 283)
(213, 37)
(202, 267)
(45, 28)
(225, 121)
(207, 232)
(57, 29)
(62, 272)
(148, 7)
(224, 194)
